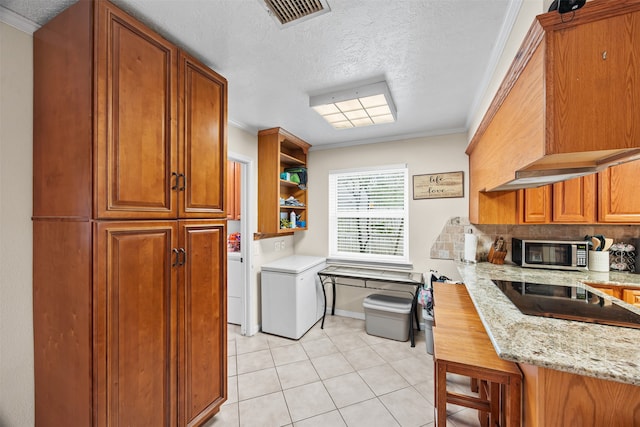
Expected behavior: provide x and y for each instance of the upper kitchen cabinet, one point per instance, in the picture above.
(234, 188)
(617, 200)
(157, 118)
(278, 196)
(136, 134)
(568, 202)
(202, 142)
(535, 205)
(568, 106)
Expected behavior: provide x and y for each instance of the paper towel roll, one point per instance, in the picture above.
(470, 244)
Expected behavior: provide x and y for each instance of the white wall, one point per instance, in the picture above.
(426, 217)
(16, 136)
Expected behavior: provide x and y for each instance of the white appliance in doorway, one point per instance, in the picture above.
(235, 288)
(240, 298)
(292, 300)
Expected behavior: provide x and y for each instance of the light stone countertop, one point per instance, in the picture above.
(606, 352)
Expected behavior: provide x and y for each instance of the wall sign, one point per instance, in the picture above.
(438, 185)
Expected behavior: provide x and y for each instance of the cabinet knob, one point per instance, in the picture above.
(604, 55)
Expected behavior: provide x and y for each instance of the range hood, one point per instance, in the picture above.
(561, 167)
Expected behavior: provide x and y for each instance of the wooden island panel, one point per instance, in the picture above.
(555, 398)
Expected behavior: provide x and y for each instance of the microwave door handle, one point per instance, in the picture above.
(574, 255)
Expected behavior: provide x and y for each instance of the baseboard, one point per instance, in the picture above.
(345, 313)
(358, 315)
(252, 330)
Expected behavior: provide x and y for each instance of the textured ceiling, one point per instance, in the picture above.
(436, 55)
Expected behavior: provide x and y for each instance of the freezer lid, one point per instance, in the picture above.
(293, 264)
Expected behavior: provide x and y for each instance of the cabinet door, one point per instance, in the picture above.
(614, 291)
(632, 296)
(535, 205)
(230, 193)
(203, 144)
(616, 192)
(574, 200)
(135, 328)
(202, 321)
(136, 110)
(233, 198)
(593, 68)
(237, 184)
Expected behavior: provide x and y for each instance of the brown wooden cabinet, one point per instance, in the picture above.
(632, 296)
(202, 154)
(136, 138)
(156, 157)
(129, 225)
(534, 122)
(535, 205)
(556, 398)
(234, 190)
(618, 202)
(279, 150)
(574, 200)
(202, 320)
(135, 289)
(613, 290)
(567, 202)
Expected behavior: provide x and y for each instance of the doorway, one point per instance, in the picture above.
(239, 296)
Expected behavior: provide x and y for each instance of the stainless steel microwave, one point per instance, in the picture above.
(554, 254)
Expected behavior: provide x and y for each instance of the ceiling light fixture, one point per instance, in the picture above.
(362, 106)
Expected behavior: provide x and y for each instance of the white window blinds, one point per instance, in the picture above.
(368, 215)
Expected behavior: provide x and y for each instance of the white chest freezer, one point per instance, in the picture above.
(292, 300)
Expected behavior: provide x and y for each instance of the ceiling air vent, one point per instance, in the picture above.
(289, 12)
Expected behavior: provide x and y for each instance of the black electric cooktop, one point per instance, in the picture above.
(567, 302)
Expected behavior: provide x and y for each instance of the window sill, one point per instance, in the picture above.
(370, 264)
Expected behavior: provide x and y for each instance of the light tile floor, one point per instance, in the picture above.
(336, 376)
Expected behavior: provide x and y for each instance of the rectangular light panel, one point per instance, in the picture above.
(364, 106)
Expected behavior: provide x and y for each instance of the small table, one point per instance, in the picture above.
(407, 278)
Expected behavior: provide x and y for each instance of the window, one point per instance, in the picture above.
(368, 215)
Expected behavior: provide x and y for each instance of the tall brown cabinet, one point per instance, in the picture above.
(129, 290)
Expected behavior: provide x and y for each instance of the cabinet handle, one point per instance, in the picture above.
(184, 182)
(177, 259)
(175, 186)
(184, 257)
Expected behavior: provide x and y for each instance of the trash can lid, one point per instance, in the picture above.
(387, 303)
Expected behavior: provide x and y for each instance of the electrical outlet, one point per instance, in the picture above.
(282, 245)
(277, 246)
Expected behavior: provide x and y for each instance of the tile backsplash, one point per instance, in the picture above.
(450, 242)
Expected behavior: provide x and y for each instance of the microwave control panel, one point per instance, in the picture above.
(581, 255)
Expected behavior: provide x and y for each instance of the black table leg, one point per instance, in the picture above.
(413, 340)
(415, 311)
(324, 294)
(333, 306)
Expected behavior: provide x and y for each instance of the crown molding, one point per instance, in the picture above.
(17, 21)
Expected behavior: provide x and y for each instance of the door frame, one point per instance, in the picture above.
(247, 224)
